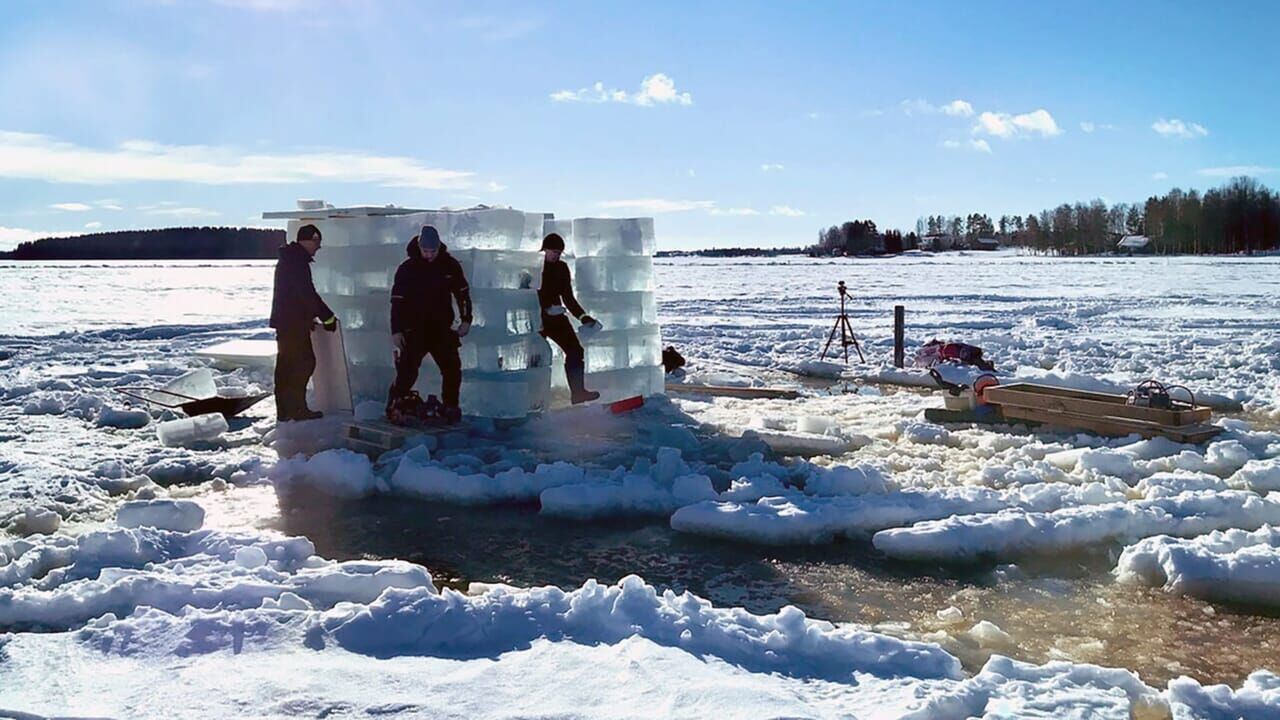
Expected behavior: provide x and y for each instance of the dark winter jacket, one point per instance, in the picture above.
(557, 289)
(423, 293)
(295, 304)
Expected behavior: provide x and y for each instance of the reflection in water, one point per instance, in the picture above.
(1069, 610)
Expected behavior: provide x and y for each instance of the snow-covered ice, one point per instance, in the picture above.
(153, 613)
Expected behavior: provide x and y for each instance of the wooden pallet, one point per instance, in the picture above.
(1094, 404)
(1100, 413)
(732, 391)
(1194, 434)
(374, 437)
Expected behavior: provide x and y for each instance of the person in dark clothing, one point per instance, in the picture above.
(555, 296)
(295, 306)
(426, 285)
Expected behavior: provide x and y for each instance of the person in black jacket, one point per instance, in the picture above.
(422, 296)
(555, 296)
(295, 306)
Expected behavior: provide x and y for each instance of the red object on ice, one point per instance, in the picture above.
(626, 405)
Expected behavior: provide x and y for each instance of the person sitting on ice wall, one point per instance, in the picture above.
(295, 306)
(422, 295)
(554, 296)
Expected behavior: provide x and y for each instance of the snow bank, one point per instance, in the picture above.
(1257, 698)
(61, 583)
(1258, 475)
(1018, 531)
(417, 475)
(1229, 566)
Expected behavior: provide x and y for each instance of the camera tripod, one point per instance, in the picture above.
(847, 337)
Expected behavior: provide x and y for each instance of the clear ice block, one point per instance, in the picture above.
(622, 273)
(595, 237)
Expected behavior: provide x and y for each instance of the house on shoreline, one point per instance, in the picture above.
(1135, 245)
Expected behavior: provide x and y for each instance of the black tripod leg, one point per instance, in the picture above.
(853, 340)
(830, 337)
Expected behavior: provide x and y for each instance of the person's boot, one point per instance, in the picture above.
(450, 414)
(578, 392)
(307, 414)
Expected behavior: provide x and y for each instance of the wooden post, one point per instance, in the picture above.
(899, 314)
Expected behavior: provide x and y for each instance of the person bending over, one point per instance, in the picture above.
(426, 285)
(295, 306)
(555, 295)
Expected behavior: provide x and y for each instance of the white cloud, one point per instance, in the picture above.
(1088, 127)
(171, 209)
(656, 89)
(785, 211)
(92, 225)
(1178, 128)
(495, 186)
(770, 167)
(980, 145)
(1237, 170)
(734, 211)
(71, 207)
(658, 205)
(692, 173)
(817, 115)
(107, 205)
(1160, 175)
(10, 237)
(955, 108)
(496, 28)
(1004, 125)
(40, 157)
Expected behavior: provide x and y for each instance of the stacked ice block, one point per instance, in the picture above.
(613, 279)
(507, 365)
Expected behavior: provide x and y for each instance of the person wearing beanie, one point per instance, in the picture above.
(295, 306)
(555, 296)
(426, 286)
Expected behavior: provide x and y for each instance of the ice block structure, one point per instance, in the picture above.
(612, 269)
(507, 367)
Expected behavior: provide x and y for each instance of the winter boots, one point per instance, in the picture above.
(578, 392)
(410, 409)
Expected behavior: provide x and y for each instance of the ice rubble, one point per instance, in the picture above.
(1017, 531)
(508, 368)
(147, 599)
(1227, 566)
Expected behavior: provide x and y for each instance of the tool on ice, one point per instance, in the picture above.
(194, 393)
(847, 337)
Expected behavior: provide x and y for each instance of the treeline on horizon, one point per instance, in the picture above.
(181, 243)
(1242, 216)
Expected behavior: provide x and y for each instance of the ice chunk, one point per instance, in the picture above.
(502, 269)
(185, 431)
(177, 515)
(511, 394)
(519, 352)
(616, 385)
(505, 312)
(594, 237)
(627, 273)
(197, 384)
(621, 310)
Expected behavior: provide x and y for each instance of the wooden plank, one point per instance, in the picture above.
(731, 391)
(1084, 402)
(982, 415)
(1112, 426)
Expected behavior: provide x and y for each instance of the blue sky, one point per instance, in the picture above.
(731, 123)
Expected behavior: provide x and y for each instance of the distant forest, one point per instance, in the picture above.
(1242, 216)
(183, 243)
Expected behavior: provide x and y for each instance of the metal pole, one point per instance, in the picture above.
(899, 314)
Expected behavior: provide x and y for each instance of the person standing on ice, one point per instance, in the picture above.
(426, 285)
(555, 295)
(295, 306)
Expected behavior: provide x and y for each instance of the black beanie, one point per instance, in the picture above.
(553, 242)
(429, 238)
(306, 232)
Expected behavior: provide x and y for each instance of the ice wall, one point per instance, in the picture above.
(507, 365)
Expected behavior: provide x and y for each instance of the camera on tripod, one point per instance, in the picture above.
(847, 337)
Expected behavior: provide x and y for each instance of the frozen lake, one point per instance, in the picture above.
(71, 331)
